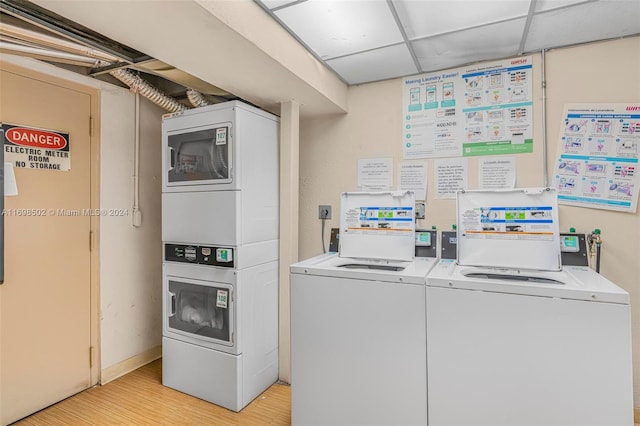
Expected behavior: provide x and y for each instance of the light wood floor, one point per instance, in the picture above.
(140, 399)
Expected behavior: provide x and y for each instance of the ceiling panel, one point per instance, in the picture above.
(272, 4)
(582, 23)
(373, 65)
(337, 28)
(454, 49)
(427, 18)
(543, 5)
(361, 39)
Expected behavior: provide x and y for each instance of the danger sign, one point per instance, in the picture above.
(30, 148)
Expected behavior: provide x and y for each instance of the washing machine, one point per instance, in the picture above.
(358, 336)
(513, 336)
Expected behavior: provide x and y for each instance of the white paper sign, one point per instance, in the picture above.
(497, 173)
(10, 185)
(375, 174)
(451, 177)
(413, 177)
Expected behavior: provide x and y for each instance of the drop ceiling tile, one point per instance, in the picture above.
(431, 17)
(479, 44)
(583, 23)
(272, 4)
(543, 5)
(335, 28)
(374, 65)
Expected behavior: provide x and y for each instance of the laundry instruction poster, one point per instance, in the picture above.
(598, 161)
(481, 109)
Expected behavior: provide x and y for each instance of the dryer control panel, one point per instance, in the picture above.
(201, 255)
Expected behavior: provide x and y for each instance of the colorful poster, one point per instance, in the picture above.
(481, 109)
(598, 161)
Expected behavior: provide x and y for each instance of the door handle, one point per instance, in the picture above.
(172, 160)
(172, 304)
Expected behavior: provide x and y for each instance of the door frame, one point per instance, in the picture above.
(93, 240)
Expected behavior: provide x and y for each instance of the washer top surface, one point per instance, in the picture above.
(332, 265)
(572, 282)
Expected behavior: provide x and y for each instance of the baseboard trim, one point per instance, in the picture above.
(128, 365)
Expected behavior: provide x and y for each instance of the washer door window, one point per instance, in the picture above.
(200, 157)
(203, 311)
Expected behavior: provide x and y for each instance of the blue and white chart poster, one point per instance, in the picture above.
(480, 109)
(598, 161)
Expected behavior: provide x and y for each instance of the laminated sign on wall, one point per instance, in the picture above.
(480, 109)
(32, 148)
(598, 161)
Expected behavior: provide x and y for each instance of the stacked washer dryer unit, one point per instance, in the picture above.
(514, 337)
(220, 270)
(358, 337)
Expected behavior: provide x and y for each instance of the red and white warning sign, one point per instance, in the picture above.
(31, 148)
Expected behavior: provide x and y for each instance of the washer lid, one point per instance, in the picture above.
(516, 228)
(377, 225)
(572, 282)
(332, 265)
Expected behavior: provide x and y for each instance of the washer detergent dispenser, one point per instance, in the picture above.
(358, 332)
(515, 337)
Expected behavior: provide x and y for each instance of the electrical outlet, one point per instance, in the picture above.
(324, 211)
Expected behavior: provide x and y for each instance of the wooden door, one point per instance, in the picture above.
(45, 301)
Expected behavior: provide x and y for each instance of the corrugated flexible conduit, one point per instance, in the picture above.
(197, 99)
(137, 84)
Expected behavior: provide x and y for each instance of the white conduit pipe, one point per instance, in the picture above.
(544, 121)
(137, 214)
(156, 96)
(197, 99)
(47, 54)
(54, 42)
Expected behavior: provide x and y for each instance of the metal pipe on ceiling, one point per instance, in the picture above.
(48, 54)
(57, 50)
(44, 40)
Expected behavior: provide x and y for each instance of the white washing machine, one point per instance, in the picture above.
(523, 340)
(358, 337)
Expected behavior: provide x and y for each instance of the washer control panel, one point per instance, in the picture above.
(201, 255)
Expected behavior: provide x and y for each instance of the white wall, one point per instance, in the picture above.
(602, 72)
(130, 257)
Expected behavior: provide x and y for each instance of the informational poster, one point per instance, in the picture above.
(39, 149)
(451, 177)
(482, 109)
(375, 174)
(501, 222)
(597, 165)
(413, 177)
(513, 228)
(497, 173)
(377, 225)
